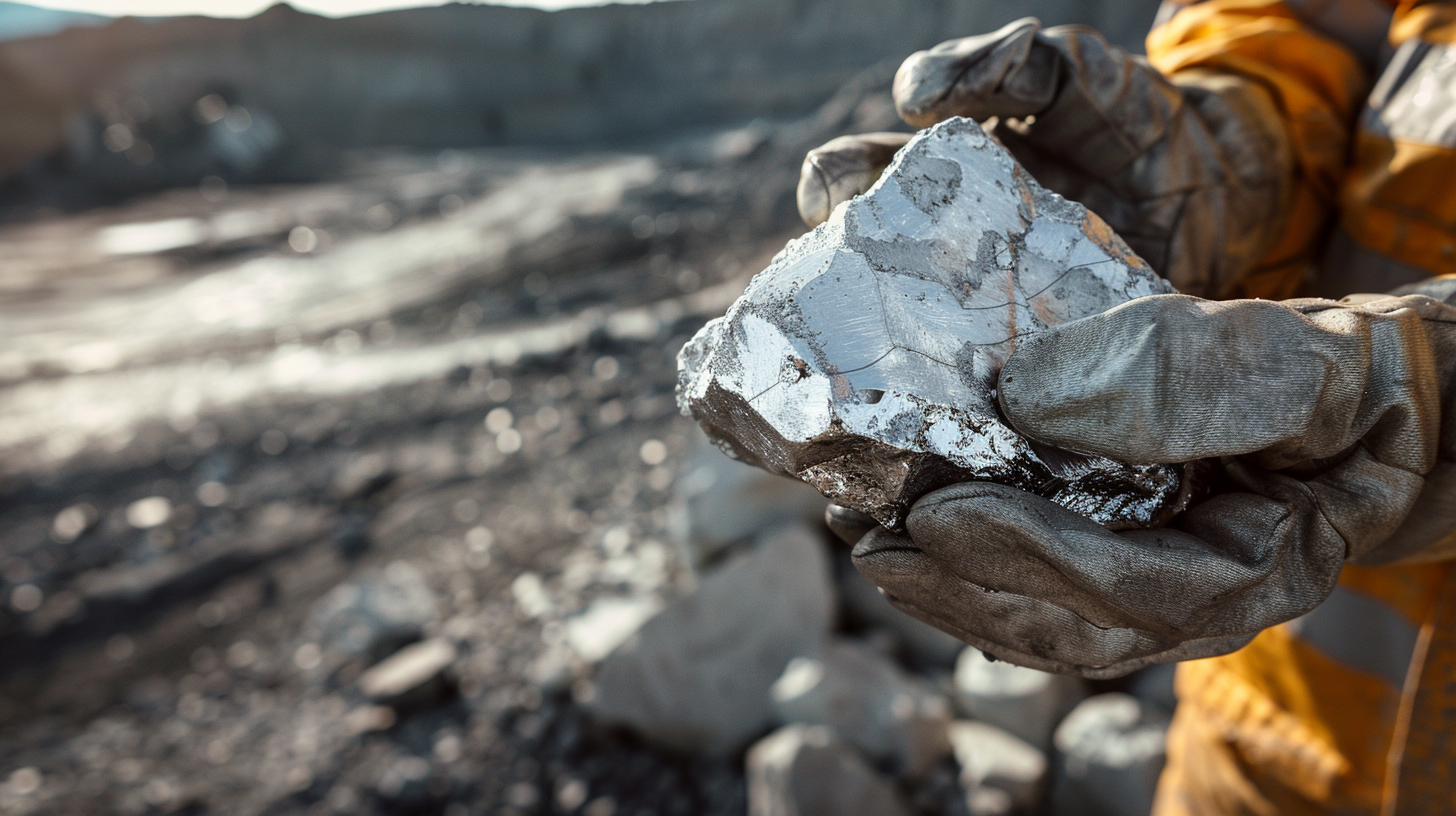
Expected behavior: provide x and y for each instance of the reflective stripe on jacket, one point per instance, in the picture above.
(1350, 709)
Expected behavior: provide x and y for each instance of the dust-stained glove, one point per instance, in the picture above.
(1323, 420)
(1196, 174)
(841, 169)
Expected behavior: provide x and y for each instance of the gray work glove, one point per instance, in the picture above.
(1323, 421)
(841, 169)
(1196, 174)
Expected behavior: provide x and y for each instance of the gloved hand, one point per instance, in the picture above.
(1196, 174)
(841, 169)
(1325, 420)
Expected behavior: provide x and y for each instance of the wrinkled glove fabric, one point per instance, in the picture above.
(1194, 173)
(1325, 420)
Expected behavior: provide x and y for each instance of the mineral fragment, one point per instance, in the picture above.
(864, 359)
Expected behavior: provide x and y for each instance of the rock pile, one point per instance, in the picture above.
(849, 721)
(697, 675)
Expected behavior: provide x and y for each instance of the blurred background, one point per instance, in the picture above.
(340, 470)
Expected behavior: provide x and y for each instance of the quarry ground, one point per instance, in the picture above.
(450, 372)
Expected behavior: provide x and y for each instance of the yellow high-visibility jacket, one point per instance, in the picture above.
(1350, 709)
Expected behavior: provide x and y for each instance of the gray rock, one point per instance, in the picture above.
(802, 770)
(864, 359)
(697, 675)
(1154, 686)
(1026, 702)
(415, 671)
(869, 702)
(719, 502)
(1110, 751)
(992, 757)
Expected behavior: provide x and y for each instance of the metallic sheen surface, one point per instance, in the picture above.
(864, 359)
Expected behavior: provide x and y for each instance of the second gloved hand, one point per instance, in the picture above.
(1194, 172)
(1326, 418)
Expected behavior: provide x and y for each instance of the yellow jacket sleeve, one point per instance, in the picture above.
(1317, 85)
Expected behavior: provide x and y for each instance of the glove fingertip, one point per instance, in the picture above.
(913, 93)
(1019, 387)
(812, 196)
(849, 525)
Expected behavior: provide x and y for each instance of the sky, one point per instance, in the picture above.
(247, 8)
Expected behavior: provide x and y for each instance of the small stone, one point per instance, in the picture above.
(606, 624)
(413, 670)
(802, 770)
(864, 359)
(1110, 752)
(370, 718)
(373, 617)
(697, 675)
(868, 702)
(150, 512)
(992, 757)
(988, 801)
(1026, 702)
(25, 781)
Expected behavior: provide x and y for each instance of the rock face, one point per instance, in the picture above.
(801, 770)
(1025, 702)
(697, 675)
(864, 359)
(869, 702)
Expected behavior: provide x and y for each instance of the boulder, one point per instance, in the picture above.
(1026, 702)
(696, 676)
(859, 693)
(1110, 751)
(992, 757)
(864, 359)
(802, 770)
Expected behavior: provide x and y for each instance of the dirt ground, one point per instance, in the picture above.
(451, 373)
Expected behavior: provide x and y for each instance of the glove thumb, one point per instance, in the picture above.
(996, 74)
(1173, 378)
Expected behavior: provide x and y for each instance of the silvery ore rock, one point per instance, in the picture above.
(864, 359)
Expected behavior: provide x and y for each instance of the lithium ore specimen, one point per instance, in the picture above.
(864, 359)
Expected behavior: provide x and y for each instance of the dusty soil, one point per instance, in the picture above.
(452, 372)
(293, 420)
